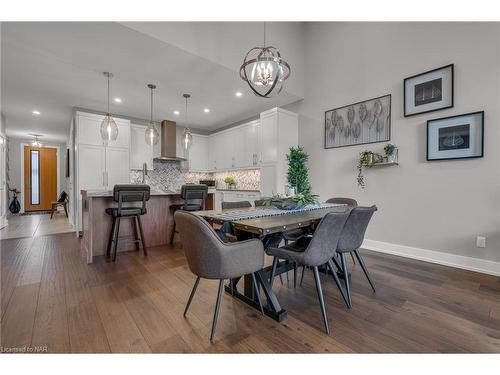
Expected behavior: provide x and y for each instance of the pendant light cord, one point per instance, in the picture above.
(108, 92)
(151, 105)
(264, 35)
(186, 112)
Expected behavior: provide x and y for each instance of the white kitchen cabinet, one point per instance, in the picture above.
(140, 151)
(239, 195)
(268, 138)
(117, 167)
(198, 153)
(91, 167)
(237, 147)
(89, 130)
(268, 185)
(251, 136)
(218, 155)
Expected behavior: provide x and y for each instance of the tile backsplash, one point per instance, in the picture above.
(170, 176)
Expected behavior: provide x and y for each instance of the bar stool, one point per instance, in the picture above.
(127, 193)
(189, 193)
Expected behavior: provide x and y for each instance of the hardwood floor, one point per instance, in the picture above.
(51, 298)
(35, 225)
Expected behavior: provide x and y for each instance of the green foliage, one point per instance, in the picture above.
(229, 180)
(289, 203)
(389, 149)
(297, 170)
(365, 160)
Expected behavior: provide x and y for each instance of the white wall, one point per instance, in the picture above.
(440, 205)
(16, 168)
(226, 43)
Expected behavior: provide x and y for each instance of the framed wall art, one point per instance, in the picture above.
(456, 137)
(364, 122)
(429, 91)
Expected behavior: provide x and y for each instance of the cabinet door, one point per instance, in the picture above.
(252, 143)
(269, 139)
(268, 181)
(198, 153)
(237, 148)
(91, 168)
(225, 155)
(140, 151)
(89, 131)
(117, 166)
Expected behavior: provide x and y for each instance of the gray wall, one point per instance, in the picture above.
(16, 169)
(440, 205)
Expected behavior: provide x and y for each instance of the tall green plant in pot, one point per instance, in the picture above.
(298, 176)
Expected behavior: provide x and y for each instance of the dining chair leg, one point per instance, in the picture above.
(256, 290)
(231, 286)
(321, 300)
(365, 270)
(337, 281)
(193, 291)
(136, 233)
(294, 275)
(352, 256)
(273, 271)
(335, 260)
(117, 232)
(216, 311)
(346, 278)
(143, 240)
(302, 277)
(281, 278)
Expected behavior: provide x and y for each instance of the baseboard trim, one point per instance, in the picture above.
(446, 259)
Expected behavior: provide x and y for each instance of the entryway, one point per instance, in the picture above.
(40, 178)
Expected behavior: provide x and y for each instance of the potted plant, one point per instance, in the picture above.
(292, 203)
(297, 176)
(391, 152)
(366, 159)
(229, 181)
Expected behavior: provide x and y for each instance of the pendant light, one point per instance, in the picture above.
(109, 129)
(264, 70)
(187, 137)
(152, 136)
(36, 142)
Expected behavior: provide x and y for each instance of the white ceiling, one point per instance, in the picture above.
(54, 67)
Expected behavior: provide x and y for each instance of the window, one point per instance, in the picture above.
(35, 176)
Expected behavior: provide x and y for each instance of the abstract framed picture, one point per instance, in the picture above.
(429, 91)
(456, 137)
(364, 122)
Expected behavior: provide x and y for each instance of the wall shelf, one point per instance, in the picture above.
(383, 164)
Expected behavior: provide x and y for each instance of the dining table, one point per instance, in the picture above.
(267, 224)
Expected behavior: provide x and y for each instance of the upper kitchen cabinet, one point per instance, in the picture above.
(89, 130)
(251, 137)
(198, 153)
(140, 151)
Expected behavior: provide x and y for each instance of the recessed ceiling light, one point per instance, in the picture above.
(239, 93)
(35, 112)
(176, 113)
(206, 110)
(117, 100)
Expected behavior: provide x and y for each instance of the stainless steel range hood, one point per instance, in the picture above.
(168, 142)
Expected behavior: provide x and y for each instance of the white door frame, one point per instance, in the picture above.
(22, 171)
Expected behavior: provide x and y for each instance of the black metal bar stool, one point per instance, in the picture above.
(127, 193)
(189, 193)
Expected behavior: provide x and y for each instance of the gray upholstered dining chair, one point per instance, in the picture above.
(210, 258)
(239, 204)
(314, 252)
(340, 200)
(351, 240)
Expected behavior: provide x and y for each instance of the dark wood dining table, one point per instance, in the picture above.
(268, 226)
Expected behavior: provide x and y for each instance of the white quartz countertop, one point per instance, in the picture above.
(109, 193)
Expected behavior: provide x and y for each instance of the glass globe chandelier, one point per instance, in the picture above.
(264, 70)
(151, 136)
(109, 129)
(36, 142)
(187, 137)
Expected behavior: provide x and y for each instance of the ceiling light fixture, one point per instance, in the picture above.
(187, 138)
(206, 110)
(238, 94)
(264, 70)
(177, 113)
(36, 142)
(109, 129)
(152, 136)
(117, 100)
(35, 112)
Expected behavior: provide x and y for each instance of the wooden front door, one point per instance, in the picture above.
(40, 178)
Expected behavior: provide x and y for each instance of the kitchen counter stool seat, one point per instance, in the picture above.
(127, 193)
(189, 192)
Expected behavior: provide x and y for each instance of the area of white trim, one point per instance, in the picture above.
(458, 261)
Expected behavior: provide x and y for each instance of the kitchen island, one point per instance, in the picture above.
(157, 223)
